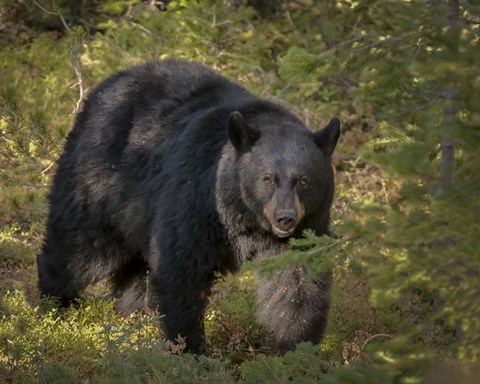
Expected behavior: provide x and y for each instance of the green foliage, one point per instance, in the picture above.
(405, 262)
(305, 366)
(153, 366)
(207, 32)
(321, 254)
(32, 338)
(231, 329)
(418, 242)
(17, 252)
(401, 58)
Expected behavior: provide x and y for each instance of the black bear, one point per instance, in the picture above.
(174, 174)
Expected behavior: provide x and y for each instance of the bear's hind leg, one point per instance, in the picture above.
(70, 261)
(64, 272)
(56, 280)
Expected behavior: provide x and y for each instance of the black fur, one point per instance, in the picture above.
(149, 180)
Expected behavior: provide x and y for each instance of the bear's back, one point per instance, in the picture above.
(152, 98)
(130, 115)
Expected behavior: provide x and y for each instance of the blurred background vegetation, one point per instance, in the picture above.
(403, 77)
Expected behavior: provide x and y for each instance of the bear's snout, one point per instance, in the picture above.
(284, 222)
(285, 219)
(283, 214)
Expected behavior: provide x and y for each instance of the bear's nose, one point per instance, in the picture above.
(285, 219)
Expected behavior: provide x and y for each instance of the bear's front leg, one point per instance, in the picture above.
(293, 307)
(181, 302)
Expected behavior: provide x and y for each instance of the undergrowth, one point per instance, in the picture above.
(405, 294)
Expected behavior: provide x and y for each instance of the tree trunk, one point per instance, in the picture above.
(447, 146)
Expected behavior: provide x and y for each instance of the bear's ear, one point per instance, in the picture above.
(327, 137)
(240, 133)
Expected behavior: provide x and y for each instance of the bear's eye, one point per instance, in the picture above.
(268, 180)
(302, 182)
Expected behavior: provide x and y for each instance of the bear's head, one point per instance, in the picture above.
(285, 170)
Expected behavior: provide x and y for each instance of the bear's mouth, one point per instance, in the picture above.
(281, 233)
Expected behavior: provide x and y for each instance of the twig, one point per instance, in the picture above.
(32, 185)
(14, 115)
(382, 42)
(374, 337)
(325, 247)
(384, 187)
(290, 20)
(129, 17)
(471, 21)
(140, 26)
(38, 134)
(41, 371)
(73, 54)
(46, 169)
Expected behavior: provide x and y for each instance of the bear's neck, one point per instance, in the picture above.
(246, 238)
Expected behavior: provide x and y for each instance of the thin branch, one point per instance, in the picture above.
(290, 20)
(130, 19)
(471, 21)
(140, 26)
(33, 185)
(44, 9)
(383, 42)
(14, 115)
(46, 169)
(315, 250)
(374, 337)
(74, 56)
